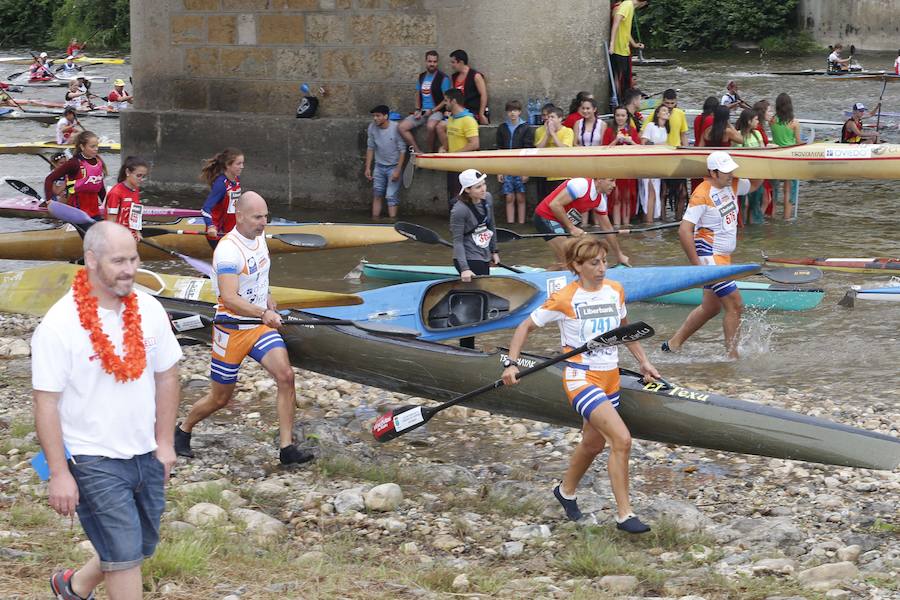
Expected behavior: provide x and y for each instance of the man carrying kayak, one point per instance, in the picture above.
(241, 261)
(852, 132)
(562, 212)
(708, 235)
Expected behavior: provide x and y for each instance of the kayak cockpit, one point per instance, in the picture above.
(454, 303)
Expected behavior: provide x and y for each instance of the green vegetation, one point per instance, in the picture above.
(43, 23)
(704, 25)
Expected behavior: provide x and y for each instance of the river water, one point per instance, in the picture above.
(850, 356)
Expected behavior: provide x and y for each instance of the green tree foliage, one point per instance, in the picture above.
(40, 24)
(711, 25)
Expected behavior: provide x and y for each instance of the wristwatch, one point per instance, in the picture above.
(507, 363)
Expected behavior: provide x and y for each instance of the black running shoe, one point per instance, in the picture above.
(665, 347)
(292, 455)
(573, 513)
(632, 525)
(183, 443)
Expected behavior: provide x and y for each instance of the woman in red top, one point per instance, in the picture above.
(123, 202)
(84, 174)
(721, 134)
(623, 200)
(704, 119)
(575, 109)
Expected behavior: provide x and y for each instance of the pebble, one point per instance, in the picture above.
(618, 583)
(259, 523)
(825, 577)
(511, 549)
(385, 497)
(525, 532)
(205, 513)
(461, 583)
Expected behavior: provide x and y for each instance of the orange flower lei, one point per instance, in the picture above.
(135, 360)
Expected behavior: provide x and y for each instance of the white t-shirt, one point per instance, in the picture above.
(833, 57)
(249, 260)
(714, 213)
(655, 133)
(100, 416)
(60, 136)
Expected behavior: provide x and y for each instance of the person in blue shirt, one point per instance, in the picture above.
(430, 103)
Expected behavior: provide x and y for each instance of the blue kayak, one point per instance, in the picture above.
(451, 308)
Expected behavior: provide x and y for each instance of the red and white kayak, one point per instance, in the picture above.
(30, 208)
(847, 265)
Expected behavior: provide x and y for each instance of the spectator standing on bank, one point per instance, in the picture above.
(386, 149)
(430, 88)
(621, 43)
(552, 134)
(514, 133)
(459, 135)
(106, 391)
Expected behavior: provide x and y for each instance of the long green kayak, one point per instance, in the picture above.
(767, 296)
(656, 411)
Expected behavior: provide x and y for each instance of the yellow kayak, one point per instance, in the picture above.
(42, 147)
(34, 291)
(99, 60)
(64, 243)
(811, 161)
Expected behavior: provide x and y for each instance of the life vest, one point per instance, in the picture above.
(436, 93)
(223, 214)
(84, 191)
(585, 198)
(471, 96)
(847, 137)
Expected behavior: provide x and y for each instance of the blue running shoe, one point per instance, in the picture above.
(573, 513)
(632, 524)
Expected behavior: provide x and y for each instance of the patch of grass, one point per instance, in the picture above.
(885, 583)
(489, 501)
(180, 559)
(666, 535)
(182, 500)
(20, 428)
(715, 586)
(882, 526)
(344, 466)
(28, 515)
(439, 579)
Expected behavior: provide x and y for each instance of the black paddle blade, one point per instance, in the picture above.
(849, 299)
(24, 188)
(301, 240)
(507, 235)
(395, 423)
(631, 332)
(793, 274)
(417, 232)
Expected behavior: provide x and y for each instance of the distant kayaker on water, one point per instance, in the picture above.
(835, 62)
(852, 132)
(587, 307)
(84, 174)
(242, 263)
(708, 235)
(222, 173)
(732, 97)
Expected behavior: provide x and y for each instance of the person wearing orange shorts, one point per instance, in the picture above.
(241, 261)
(584, 309)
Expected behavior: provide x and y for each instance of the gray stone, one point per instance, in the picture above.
(836, 594)
(685, 516)
(349, 500)
(460, 583)
(825, 577)
(271, 488)
(774, 531)
(451, 474)
(511, 549)
(849, 553)
(233, 499)
(384, 497)
(444, 541)
(204, 513)
(774, 566)
(259, 523)
(618, 583)
(525, 532)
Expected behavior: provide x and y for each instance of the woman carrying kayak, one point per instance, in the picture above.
(587, 307)
(562, 212)
(222, 173)
(123, 202)
(84, 174)
(473, 231)
(786, 132)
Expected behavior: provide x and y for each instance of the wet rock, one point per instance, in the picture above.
(205, 513)
(349, 500)
(385, 497)
(618, 583)
(825, 577)
(259, 523)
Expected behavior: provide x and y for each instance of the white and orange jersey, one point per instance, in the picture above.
(584, 315)
(249, 260)
(714, 213)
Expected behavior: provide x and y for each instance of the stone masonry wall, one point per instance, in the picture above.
(867, 24)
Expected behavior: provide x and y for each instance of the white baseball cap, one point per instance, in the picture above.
(471, 177)
(43, 55)
(720, 161)
(859, 106)
(69, 57)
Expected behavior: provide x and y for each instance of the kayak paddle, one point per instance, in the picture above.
(793, 274)
(188, 321)
(82, 221)
(300, 240)
(398, 422)
(508, 235)
(21, 186)
(429, 236)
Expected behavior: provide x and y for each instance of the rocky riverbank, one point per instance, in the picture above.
(463, 507)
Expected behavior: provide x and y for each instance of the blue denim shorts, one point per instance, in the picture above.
(120, 502)
(513, 184)
(383, 186)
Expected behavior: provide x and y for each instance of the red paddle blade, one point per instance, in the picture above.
(395, 423)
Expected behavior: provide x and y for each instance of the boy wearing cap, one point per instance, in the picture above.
(69, 68)
(708, 235)
(119, 99)
(387, 150)
(852, 132)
